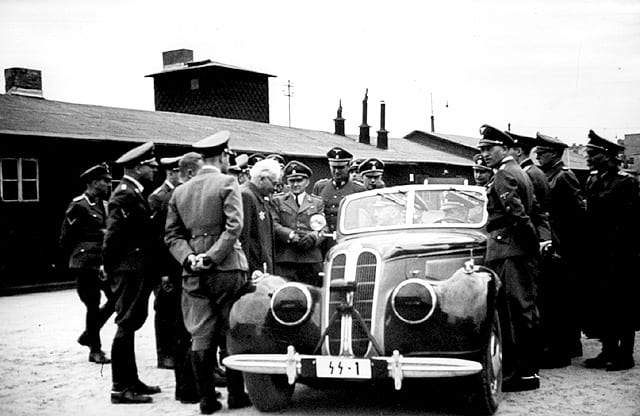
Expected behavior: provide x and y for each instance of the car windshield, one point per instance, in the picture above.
(414, 206)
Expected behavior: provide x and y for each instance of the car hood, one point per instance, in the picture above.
(392, 244)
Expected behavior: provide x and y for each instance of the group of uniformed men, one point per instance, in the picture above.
(194, 240)
(564, 254)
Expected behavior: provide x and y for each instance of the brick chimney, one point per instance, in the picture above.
(364, 127)
(339, 121)
(177, 58)
(383, 138)
(23, 81)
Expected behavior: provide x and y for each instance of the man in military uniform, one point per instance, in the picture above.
(204, 223)
(371, 171)
(172, 339)
(188, 166)
(612, 214)
(81, 238)
(298, 254)
(512, 252)
(167, 298)
(558, 288)
(239, 167)
(340, 185)
(257, 236)
(353, 169)
(255, 158)
(482, 173)
(132, 253)
(520, 150)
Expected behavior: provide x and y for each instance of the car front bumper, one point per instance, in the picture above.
(397, 367)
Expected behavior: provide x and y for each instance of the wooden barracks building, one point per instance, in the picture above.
(45, 145)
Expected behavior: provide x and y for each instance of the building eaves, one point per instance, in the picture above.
(465, 141)
(25, 116)
(205, 64)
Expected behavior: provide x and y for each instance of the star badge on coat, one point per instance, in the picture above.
(262, 215)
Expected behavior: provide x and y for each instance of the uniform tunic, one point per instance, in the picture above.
(512, 252)
(292, 260)
(205, 216)
(81, 238)
(332, 194)
(540, 216)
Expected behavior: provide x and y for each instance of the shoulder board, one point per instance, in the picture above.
(565, 168)
(526, 168)
(623, 173)
(78, 198)
(322, 181)
(157, 191)
(503, 166)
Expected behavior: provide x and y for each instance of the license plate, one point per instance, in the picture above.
(332, 367)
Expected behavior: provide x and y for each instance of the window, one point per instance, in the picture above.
(19, 180)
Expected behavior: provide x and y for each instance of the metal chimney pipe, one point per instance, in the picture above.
(383, 139)
(364, 127)
(339, 121)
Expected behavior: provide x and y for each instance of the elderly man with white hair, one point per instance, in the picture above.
(257, 236)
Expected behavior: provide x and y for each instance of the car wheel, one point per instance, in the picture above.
(269, 393)
(487, 386)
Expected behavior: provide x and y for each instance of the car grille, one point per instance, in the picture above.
(365, 276)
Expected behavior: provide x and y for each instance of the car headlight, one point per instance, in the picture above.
(413, 301)
(291, 304)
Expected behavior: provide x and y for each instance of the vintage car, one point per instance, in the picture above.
(404, 296)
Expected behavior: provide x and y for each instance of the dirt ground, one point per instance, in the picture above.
(43, 371)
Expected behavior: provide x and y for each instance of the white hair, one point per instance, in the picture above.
(272, 167)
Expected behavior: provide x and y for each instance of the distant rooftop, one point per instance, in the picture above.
(26, 116)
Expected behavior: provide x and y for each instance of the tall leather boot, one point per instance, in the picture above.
(237, 398)
(186, 390)
(202, 362)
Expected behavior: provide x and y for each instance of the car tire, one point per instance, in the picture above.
(268, 393)
(486, 388)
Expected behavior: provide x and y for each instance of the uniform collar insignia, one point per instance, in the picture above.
(138, 185)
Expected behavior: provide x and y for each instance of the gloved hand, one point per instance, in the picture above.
(307, 241)
(189, 263)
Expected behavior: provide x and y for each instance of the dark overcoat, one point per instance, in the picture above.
(132, 242)
(257, 236)
(613, 226)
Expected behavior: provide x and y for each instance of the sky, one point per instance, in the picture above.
(554, 66)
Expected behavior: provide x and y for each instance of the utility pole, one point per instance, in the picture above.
(289, 93)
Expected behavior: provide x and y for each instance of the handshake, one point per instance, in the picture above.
(304, 240)
(198, 262)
